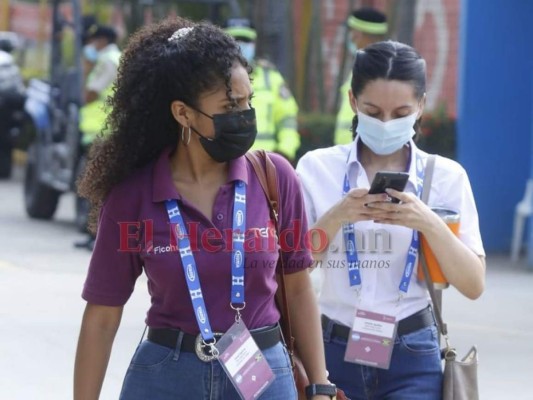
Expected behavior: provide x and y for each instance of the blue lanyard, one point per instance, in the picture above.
(348, 231)
(189, 264)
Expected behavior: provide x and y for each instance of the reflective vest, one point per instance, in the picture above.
(276, 111)
(343, 133)
(94, 114)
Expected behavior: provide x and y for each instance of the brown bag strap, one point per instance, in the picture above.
(266, 173)
(436, 297)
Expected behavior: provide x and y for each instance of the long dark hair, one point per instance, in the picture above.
(153, 72)
(388, 60)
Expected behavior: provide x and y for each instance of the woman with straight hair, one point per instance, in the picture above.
(370, 286)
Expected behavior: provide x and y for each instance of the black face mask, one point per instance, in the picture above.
(234, 135)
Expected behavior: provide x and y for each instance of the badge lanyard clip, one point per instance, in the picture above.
(238, 310)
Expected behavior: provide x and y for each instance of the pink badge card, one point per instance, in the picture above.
(371, 339)
(243, 362)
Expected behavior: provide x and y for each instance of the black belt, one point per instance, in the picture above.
(264, 337)
(419, 320)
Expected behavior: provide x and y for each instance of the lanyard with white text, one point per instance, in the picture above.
(189, 264)
(348, 231)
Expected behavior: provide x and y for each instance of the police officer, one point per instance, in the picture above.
(276, 108)
(367, 26)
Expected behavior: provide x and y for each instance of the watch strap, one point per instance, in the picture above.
(320, 389)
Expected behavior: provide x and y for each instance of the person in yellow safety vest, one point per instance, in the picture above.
(101, 50)
(367, 26)
(276, 108)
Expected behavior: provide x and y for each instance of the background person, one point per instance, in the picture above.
(276, 108)
(181, 122)
(388, 95)
(101, 58)
(102, 51)
(367, 25)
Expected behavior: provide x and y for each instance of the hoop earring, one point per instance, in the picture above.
(183, 136)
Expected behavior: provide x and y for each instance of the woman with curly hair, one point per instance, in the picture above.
(169, 181)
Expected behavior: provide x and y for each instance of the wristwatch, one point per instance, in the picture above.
(321, 389)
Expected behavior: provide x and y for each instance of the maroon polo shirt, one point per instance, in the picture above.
(134, 234)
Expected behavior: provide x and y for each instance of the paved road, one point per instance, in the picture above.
(41, 276)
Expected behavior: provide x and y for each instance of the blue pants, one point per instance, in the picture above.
(415, 371)
(160, 373)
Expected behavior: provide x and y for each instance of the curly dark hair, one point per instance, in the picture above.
(153, 72)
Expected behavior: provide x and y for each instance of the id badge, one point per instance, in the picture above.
(243, 362)
(371, 339)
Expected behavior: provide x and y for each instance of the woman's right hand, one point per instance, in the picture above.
(352, 207)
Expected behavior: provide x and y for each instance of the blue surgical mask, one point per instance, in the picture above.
(385, 138)
(90, 53)
(248, 50)
(352, 48)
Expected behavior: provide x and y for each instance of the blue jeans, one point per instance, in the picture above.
(160, 373)
(415, 371)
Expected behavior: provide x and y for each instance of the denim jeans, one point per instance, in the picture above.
(415, 371)
(160, 373)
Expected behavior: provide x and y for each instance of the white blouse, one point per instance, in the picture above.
(382, 248)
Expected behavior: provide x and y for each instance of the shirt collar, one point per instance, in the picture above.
(238, 170)
(163, 186)
(354, 165)
(109, 47)
(413, 151)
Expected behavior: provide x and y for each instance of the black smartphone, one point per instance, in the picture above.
(389, 180)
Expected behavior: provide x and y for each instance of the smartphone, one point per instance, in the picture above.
(389, 180)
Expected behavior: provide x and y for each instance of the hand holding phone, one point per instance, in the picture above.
(389, 180)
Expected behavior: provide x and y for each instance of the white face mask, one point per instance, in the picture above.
(385, 138)
(248, 50)
(90, 52)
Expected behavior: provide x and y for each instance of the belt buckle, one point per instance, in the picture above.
(200, 348)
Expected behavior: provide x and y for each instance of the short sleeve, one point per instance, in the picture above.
(451, 189)
(115, 264)
(102, 77)
(469, 228)
(304, 171)
(293, 221)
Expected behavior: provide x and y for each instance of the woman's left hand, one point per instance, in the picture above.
(462, 267)
(411, 212)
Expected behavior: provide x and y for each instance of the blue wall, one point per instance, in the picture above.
(530, 244)
(495, 109)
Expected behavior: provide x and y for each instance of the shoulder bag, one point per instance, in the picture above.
(460, 376)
